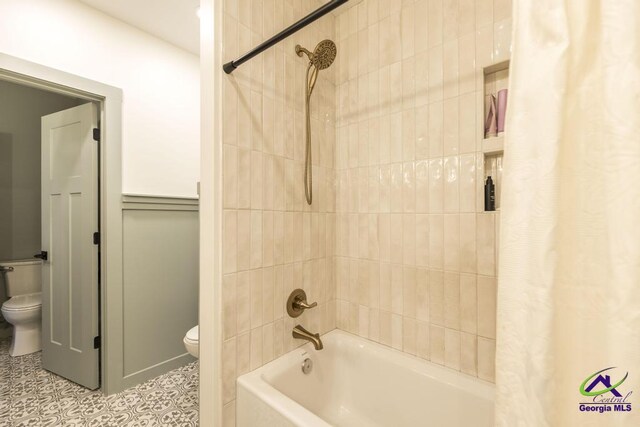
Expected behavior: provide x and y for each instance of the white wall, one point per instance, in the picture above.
(210, 214)
(160, 83)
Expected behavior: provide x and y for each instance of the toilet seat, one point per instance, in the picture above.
(191, 341)
(23, 302)
(193, 335)
(24, 312)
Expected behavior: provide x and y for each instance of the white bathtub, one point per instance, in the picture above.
(355, 382)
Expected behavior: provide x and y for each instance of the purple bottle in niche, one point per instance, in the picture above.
(502, 109)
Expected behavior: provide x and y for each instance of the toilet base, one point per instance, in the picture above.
(27, 339)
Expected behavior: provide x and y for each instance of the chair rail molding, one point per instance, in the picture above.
(163, 203)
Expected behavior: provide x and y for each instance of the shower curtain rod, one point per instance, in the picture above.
(313, 16)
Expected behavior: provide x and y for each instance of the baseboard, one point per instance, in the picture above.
(157, 370)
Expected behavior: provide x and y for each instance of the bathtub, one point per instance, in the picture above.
(355, 382)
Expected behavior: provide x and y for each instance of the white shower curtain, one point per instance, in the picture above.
(569, 279)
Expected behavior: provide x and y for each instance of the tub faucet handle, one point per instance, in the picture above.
(297, 303)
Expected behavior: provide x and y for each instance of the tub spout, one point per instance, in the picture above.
(302, 333)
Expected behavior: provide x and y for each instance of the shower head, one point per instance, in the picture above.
(322, 56)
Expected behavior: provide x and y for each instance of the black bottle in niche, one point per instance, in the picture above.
(489, 195)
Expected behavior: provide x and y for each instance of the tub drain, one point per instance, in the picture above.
(307, 366)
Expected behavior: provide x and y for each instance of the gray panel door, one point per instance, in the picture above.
(69, 219)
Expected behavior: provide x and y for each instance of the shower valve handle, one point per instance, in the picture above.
(303, 304)
(297, 303)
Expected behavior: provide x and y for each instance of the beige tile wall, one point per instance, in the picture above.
(273, 241)
(416, 254)
(396, 247)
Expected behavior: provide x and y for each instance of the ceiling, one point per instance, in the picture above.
(174, 21)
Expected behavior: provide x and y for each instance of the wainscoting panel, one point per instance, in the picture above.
(160, 296)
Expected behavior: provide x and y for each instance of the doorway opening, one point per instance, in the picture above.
(49, 253)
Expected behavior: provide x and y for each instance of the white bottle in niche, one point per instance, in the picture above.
(491, 123)
(502, 109)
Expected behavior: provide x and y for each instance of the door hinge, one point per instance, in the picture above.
(96, 134)
(97, 342)
(96, 238)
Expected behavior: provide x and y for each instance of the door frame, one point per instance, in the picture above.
(211, 211)
(109, 100)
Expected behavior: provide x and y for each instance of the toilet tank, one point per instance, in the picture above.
(22, 276)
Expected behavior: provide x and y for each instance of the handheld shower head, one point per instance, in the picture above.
(320, 59)
(322, 56)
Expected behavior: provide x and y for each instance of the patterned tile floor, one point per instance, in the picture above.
(31, 396)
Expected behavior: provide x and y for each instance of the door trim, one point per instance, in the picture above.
(109, 99)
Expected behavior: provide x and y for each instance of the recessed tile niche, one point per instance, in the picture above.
(495, 78)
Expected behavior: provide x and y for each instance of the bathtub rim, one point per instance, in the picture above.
(258, 386)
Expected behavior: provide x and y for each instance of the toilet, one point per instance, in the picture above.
(23, 309)
(191, 341)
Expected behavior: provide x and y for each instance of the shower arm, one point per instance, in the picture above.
(312, 17)
(300, 50)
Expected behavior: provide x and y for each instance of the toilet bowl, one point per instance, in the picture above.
(191, 341)
(24, 312)
(23, 309)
